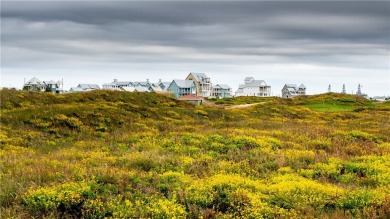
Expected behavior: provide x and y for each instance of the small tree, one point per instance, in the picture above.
(48, 89)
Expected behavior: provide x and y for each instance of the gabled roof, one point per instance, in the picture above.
(223, 86)
(76, 89)
(291, 89)
(34, 80)
(141, 83)
(184, 83)
(88, 86)
(302, 86)
(240, 86)
(155, 87)
(291, 85)
(256, 83)
(199, 76)
(165, 84)
(248, 79)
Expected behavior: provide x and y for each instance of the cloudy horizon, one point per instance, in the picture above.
(314, 43)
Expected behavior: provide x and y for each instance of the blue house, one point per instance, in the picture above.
(221, 91)
(182, 87)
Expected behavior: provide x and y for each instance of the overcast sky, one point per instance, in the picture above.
(312, 42)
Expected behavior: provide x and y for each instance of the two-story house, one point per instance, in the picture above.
(252, 87)
(221, 91)
(202, 83)
(34, 84)
(116, 85)
(292, 90)
(182, 87)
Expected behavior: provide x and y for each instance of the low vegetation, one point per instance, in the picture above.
(141, 155)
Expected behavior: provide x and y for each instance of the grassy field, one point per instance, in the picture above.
(330, 107)
(107, 154)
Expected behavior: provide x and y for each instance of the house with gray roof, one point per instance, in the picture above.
(292, 90)
(202, 83)
(34, 84)
(252, 87)
(84, 87)
(182, 87)
(116, 85)
(155, 87)
(222, 91)
(164, 85)
(142, 83)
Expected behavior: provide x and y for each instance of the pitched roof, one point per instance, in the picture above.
(141, 89)
(184, 83)
(155, 87)
(302, 86)
(190, 97)
(88, 86)
(223, 86)
(199, 76)
(76, 89)
(33, 80)
(248, 79)
(256, 83)
(142, 83)
(291, 85)
(291, 89)
(165, 84)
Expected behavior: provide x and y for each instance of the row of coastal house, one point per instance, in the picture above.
(195, 85)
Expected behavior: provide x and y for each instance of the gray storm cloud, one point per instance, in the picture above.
(71, 37)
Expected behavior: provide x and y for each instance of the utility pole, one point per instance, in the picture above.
(343, 91)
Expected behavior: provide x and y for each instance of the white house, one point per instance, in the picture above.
(35, 84)
(252, 87)
(202, 82)
(116, 85)
(292, 90)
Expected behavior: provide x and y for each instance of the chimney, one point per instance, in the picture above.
(147, 80)
(115, 80)
(159, 81)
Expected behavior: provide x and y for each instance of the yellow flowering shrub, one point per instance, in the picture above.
(63, 196)
(290, 191)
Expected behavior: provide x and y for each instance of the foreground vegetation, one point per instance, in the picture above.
(140, 155)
